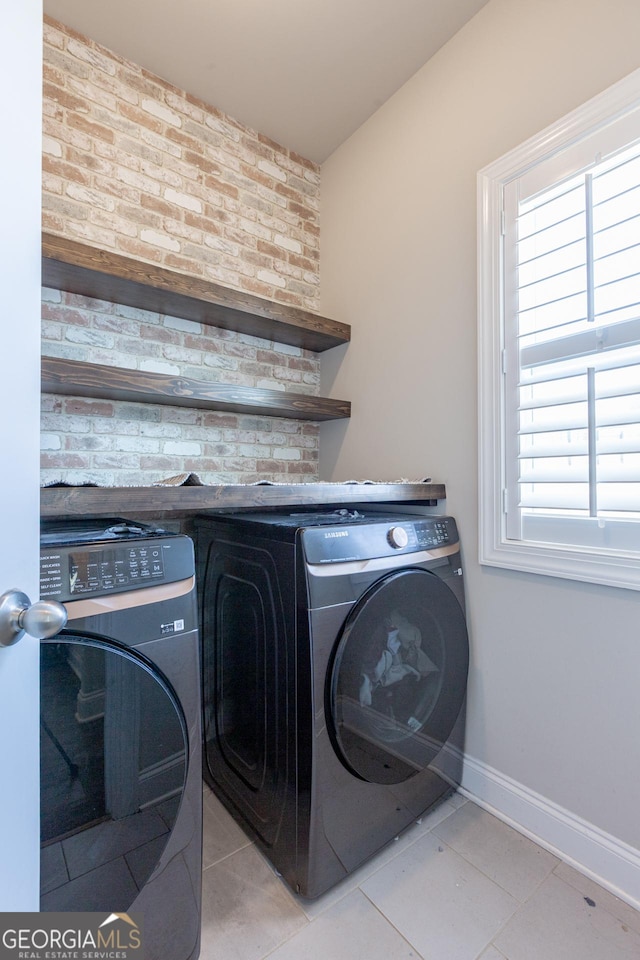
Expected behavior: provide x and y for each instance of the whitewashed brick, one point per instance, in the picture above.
(287, 348)
(93, 92)
(164, 430)
(183, 448)
(50, 441)
(225, 246)
(183, 200)
(133, 178)
(267, 276)
(116, 427)
(275, 199)
(160, 240)
(178, 323)
(87, 53)
(51, 146)
(160, 143)
(294, 245)
(253, 341)
(51, 296)
(182, 415)
(270, 385)
(286, 453)
(181, 354)
(162, 173)
(136, 313)
(178, 229)
(51, 330)
(239, 436)
(272, 170)
(220, 362)
(61, 423)
(161, 111)
(159, 366)
(94, 234)
(138, 445)
(65, 351)
(182, 105)
(90, 197)
(250, 450)
(93, 338)
(226, 129)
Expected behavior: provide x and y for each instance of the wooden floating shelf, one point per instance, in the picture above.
(78, 268)
(79, 379)
(177, 502)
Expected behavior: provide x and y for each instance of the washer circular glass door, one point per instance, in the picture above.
(113, 759)
(398, 676)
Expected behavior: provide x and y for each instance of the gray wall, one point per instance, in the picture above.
(555, 664)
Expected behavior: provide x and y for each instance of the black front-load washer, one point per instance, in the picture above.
(335, 658)
(120, 731)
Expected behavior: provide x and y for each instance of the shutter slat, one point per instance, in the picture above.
(610, 393)
(619, 496)
(547, 449)
(565, 370)
(616, 236)
(565, 496)
(611, 469)
(561, 253)
(613, 419)
(612, 337)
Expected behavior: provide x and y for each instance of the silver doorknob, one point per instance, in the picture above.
(18, 615)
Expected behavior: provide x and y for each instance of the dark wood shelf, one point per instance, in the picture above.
(80, 379)
(78, 268)
(179, 502)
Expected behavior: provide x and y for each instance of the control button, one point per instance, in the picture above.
(398, 537)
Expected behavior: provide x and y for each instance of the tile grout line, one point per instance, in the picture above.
(419, 955)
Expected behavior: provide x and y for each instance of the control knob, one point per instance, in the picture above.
(398, 537)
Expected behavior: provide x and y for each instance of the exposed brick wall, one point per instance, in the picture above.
(134, 165)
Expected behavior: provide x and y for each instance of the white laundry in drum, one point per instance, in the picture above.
(401, 656)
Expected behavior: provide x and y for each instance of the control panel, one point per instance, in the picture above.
(72, 571)
(399, 535)
(433, 533)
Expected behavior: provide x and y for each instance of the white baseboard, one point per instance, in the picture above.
(610, 862)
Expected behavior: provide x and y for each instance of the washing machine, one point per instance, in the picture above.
(335, 657)
(120, 724)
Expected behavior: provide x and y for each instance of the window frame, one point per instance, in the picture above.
(617, 106)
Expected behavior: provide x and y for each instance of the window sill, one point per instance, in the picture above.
(613, 570)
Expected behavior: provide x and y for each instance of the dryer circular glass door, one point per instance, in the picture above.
(398, 677)
(113, 763)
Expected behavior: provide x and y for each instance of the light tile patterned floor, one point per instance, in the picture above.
(461, 885)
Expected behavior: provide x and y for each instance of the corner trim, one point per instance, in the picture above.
(611, 862)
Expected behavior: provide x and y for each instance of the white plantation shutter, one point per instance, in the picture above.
(569, 318)
(574, 351)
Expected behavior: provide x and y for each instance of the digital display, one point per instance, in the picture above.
(90, 571)
(432, 534)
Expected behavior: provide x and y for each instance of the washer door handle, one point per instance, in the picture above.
(18, 616)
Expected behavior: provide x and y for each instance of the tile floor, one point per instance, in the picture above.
(461, 885)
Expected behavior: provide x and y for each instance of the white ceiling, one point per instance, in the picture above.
(306, 73)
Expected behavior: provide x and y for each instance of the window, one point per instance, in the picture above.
(559, 305)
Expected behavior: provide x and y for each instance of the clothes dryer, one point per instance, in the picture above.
(120, 723)
(335, 659)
